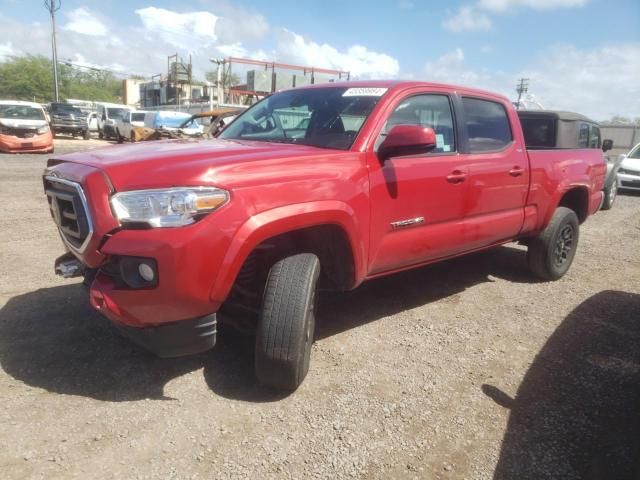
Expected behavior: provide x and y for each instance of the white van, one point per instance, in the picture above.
(107, 114)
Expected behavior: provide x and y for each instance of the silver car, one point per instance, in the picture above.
(629, 172)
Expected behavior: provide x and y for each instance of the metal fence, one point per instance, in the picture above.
(624, 137)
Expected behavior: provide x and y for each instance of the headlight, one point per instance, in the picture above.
(43, 129)
(172, 207)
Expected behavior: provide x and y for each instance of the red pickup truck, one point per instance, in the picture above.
(329, 184)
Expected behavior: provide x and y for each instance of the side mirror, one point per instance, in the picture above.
(607, 145)
(407, 140)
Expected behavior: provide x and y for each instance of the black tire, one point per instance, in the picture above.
(86, 135)
(100, 134)
(119, 137)
(610, 195)
(133, 137)
(287, 322)
(53, 132)
(551, 253)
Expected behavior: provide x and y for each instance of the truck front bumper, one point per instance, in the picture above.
(177, 339)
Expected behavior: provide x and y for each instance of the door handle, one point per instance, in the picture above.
(516, 171)
(456, 177)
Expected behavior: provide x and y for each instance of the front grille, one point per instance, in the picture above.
(69, 211)
(68, 121)
(22, 132)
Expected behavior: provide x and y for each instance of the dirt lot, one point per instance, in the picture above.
(465, 370)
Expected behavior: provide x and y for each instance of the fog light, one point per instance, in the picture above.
(146, 272)
(138, 272)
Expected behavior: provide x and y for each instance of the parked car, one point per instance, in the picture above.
(387, 176)
(24, 128)
(107, 115)
(167, 122)
(548, 129)
(125, 125)
(69, 119)
(629, 173)
(217, 118)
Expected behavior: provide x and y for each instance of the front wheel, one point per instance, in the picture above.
(610, 196)
(119, 137)
(287, 322)
(551, 253)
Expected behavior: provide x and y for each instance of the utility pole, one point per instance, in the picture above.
(219, 82)
(53, 6)
(522, 87)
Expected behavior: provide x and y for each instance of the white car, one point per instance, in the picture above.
(124, 125)
(108, 113)
(629, 173)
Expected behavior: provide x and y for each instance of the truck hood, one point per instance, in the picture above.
(22, 123)
(632, 164)
(187, 162)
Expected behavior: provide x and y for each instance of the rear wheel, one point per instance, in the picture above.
(132, 136)
(100, 134)
(119, 137)
(86, 135)
(287, 322)
(610, 196)
(551, 253)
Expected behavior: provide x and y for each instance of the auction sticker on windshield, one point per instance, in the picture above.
(364, 92)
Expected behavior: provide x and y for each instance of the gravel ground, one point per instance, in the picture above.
(468, 369)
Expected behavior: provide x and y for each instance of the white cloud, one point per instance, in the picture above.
(563, 77)
(6, 50)
(504, 5)
(357, 59)
(467, 19)
(82, 20)
(474, 17)
(406, 4)
(185, 30)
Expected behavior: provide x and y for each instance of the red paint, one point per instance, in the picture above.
(468, 202)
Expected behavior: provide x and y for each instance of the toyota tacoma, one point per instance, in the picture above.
(326, 185)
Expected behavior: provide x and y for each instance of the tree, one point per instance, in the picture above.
(30, 78)
(26, 78)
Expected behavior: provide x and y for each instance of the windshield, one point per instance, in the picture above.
(635, 153)
(116, 112)
(328, 117)
(21, 112)
(66, 108)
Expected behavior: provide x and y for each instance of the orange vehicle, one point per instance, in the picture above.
(24, 128)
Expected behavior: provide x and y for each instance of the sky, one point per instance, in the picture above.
(580, 55)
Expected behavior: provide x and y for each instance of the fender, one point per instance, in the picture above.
(555, 199)
(277, 221)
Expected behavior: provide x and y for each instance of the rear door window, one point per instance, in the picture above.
(583, 135)
(487, 125)
(594, 137)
